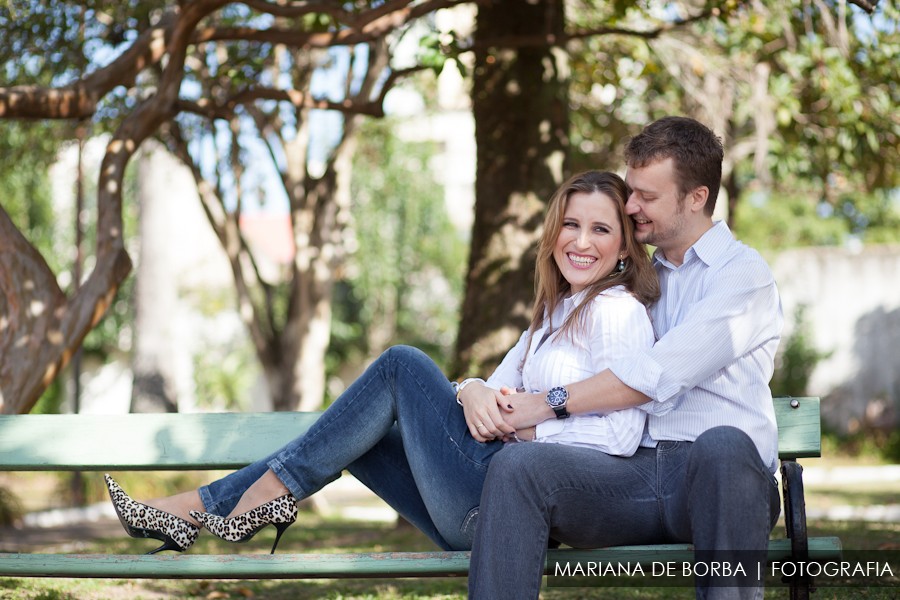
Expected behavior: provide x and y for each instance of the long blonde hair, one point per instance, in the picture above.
(550, 287)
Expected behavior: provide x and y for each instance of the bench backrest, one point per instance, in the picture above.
(163, 441)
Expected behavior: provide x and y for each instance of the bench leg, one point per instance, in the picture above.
(795, 524)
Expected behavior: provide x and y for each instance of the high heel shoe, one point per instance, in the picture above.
(142, 521)
(280, 512)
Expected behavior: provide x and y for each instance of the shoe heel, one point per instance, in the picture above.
(169, 544)
(280, 527)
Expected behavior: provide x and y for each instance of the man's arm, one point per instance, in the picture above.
(603, 392)
(733, 316)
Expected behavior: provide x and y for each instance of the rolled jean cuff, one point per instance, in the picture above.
(209, 503)
(293, 486)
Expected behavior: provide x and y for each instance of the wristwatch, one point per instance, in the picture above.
(556, 399)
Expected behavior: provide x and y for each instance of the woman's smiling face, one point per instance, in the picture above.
(589, 243)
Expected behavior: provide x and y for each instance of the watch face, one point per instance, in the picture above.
(557, 396)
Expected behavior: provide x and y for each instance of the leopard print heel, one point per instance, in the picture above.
(280, 512)
(142, 521)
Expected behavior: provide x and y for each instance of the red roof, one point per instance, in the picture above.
(269, 234)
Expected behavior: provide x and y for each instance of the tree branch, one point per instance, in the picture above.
(366, 27)
(79, 99)
(299, 8)
(646, 34)
(300, 99)
(526, 41)
(869, 7)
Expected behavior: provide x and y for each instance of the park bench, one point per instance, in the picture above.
(211, 441)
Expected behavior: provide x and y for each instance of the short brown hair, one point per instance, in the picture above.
(696, 151)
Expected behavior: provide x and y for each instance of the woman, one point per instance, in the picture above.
(399, 428)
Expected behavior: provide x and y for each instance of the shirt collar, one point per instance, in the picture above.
(710, 248)
(575, 299)
(565, 307)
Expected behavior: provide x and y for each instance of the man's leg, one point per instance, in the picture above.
(579, 496)
(727, 504)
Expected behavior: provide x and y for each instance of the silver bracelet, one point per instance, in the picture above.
(461, 386)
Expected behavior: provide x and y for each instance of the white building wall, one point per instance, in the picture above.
(853, 313)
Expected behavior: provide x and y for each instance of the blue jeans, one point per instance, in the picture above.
(715, 492)
(397, 429)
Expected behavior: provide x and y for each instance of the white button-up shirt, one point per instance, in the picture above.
(616, 327)
(718, 322)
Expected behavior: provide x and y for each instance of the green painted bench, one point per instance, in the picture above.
(230, 440)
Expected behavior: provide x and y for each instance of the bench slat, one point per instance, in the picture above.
(324, 566)
(134, 442)
(231, 440)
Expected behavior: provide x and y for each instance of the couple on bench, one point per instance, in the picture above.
(635, 409)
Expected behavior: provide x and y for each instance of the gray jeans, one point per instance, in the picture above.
(715, 493)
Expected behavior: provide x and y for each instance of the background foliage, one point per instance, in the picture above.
(403, 281)
(804, 94)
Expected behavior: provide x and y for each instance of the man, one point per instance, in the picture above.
(704, 471)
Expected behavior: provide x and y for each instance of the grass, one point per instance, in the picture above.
(865, 496)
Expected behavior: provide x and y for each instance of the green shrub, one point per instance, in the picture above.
(797, 361)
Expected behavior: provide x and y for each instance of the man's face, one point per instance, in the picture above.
(656, 206)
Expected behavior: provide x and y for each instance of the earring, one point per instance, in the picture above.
(620, 266)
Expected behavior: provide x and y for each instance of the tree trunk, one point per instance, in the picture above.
(733, 189)
(519, 101)
(298, 382)
(40, 328)
(319, 220)
(31, 306)
(156, 297)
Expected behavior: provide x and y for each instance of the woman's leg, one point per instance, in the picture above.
(402, 391)
(385, 470)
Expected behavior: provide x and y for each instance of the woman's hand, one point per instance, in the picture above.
(527, 410)
(482, 408)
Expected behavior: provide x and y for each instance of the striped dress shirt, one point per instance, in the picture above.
(718, 322)
(616, 326)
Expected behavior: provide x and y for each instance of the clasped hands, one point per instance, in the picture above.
(505, 414)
